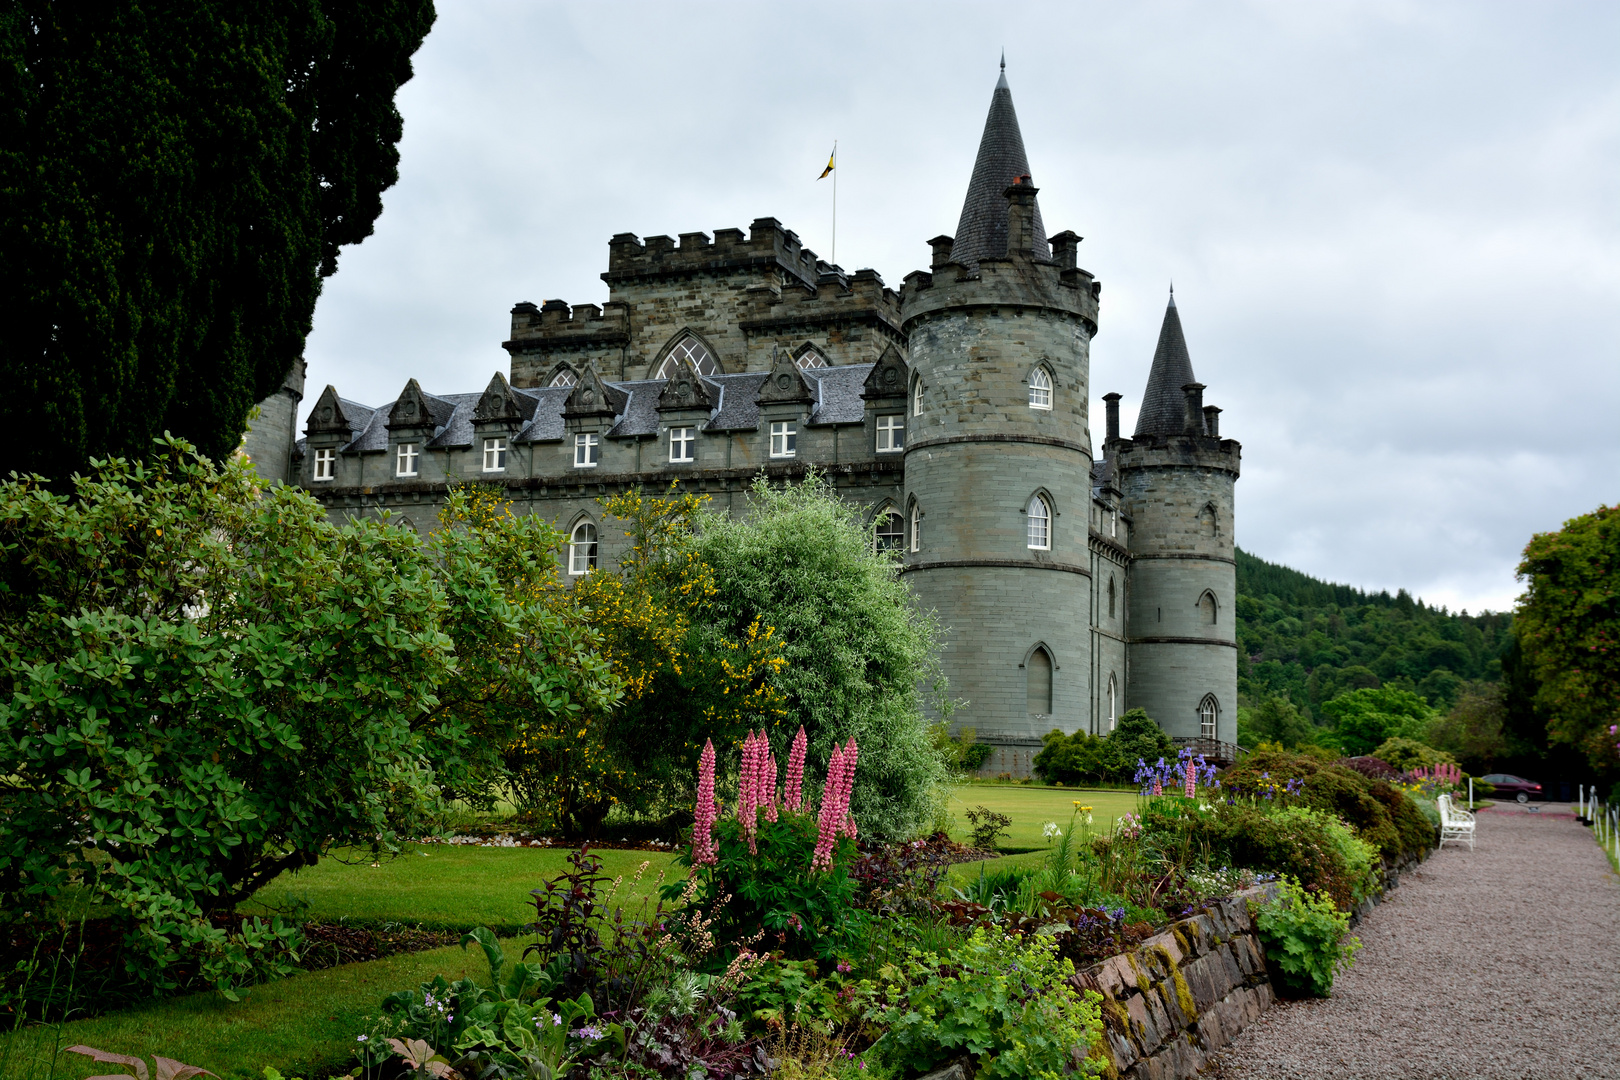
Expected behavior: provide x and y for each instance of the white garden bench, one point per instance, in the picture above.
(1455, 824)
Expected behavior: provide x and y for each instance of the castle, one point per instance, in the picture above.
(953, 412)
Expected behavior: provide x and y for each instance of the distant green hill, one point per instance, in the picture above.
(1309, 639)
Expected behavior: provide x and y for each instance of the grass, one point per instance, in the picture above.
(304, 1025)
(1031, 807)
(443, 886)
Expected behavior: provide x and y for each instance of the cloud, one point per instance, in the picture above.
(1392, 226)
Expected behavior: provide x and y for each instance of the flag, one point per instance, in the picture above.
(832, 163)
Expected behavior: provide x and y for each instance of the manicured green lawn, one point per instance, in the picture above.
(1032, 807)
(296, 1024)
(441, 886)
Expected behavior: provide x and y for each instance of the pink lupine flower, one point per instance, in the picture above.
(835, 817)
(846, 786)
(793, 783)
(1191, 785)
(705, 813)
(770, 784)
(751, 787)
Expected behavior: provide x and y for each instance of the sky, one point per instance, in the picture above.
(1393, 228)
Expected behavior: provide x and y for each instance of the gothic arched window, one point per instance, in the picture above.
(1209, 713)
(564, 377)
(1208, 611)
(1040, 389)
(891, 532)
(916, 397)
(1040, 524)
(1113, 701)
(582, 549)
(691, 349)
(1038, 675)
(1110, 596)
(916, 527)
(808, 356)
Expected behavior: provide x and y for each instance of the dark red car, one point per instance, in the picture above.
(1507, 784)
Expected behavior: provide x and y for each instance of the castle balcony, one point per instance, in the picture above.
(1217, 753)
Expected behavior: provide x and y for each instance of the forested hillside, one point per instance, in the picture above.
(1309, 640)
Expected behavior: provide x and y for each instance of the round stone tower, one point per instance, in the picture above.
(1177, 477)
(998, 455)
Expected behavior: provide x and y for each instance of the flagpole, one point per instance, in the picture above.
(834, 258)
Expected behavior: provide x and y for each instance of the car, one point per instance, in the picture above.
(1507, 784)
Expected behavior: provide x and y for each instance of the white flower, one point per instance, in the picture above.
(1051, 830)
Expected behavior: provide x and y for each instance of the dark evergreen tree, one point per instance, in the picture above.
(176, 178)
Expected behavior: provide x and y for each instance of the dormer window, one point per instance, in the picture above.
(494, 455)
(405, 459)
(1040, 389)
(325, 464)
(692, 350)
(784, 439)
(587, 451)
(891, 434)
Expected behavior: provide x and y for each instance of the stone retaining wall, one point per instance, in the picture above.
(1183, 993)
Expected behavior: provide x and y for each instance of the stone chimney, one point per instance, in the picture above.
(1112, 404)
(1195, 408)
(1021, 218)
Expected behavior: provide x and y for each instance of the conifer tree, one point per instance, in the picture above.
(176, 178)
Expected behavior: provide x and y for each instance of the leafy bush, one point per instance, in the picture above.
(1364, 719)
(1308, 844)
(206, 684)
(1084, 757)
(988, 827)
(1407, 754)
(861, 655)
(1304, 939)
(1006, 1000)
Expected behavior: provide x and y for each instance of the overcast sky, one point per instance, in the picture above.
(1394, 228)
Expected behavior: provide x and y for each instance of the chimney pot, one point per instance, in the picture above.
(1021, 218)
(1112, 401)
(1212, 421)
(941, 246)
(1195, 408)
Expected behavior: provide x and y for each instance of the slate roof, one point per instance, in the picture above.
(837, 401)
(1164, 405)
(982, 230)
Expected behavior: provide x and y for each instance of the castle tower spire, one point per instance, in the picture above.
(982, 231)
(1164, 404)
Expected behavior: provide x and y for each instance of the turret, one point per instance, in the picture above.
(272, 435)
(998, 454)
(1177, 475)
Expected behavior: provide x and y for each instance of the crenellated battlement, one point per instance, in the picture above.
(556, 323)
(768, 245)
(836, 299)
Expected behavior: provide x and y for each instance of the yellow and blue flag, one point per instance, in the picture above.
(832, 163)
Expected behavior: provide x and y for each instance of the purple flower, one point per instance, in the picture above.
(589, 1032)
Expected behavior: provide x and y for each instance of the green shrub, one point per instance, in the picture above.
(1308, 844)
(1006, 1000)
(1304, 939)
(862, 656)
(1381, 814)
(1408, 754)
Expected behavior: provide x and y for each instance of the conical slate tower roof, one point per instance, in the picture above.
(1164, 405)
(982, 232)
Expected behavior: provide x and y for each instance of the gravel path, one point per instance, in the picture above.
(1494, 964)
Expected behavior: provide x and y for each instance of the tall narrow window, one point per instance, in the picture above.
(1208, 713)
(1110, 596)
(688, 348)
(681, 442)
(916, 527)
(582, 549)
(1113, 523)
(891, 434)
(1207, 611)
(325, 464)
(1113, 701)
(916, 397)
(494, 455)
(405, 459)
(784, 439)
(891, 534)
(587, 451)
(1040, 389)
(1038, 672)
(1040, 525)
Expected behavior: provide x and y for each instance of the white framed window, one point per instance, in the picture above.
(1113, 523)
(916, 527)
(784, 439)
(891, 532)
(587, 451)
(406, 458)
(325, 464)
(1040, 389)
(688, 348)
(682, 441)
(1040, 524)
(563, 378)
(582, 549)
(494, 455)
(809, 357)
(891, 434)
(916, 398)
(1208, 713)
(1113, 702)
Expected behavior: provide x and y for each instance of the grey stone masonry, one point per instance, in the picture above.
(271, 441)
